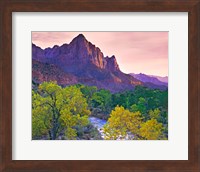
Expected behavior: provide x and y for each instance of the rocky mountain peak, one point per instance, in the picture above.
(79, 39)
(81, 36)
(80, 51)
(111, 63)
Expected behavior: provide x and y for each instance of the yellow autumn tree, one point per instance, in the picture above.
(57, 110)
(122, 123)
(152, 130)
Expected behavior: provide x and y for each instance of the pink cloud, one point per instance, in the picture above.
(136, 52)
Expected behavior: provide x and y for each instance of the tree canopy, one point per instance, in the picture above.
(56, 110)
(125, 124)
(122, 122)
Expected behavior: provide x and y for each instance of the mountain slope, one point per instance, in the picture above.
(49, 72)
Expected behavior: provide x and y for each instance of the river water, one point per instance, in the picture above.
(98, 123)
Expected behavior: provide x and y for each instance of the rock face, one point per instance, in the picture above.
(111, 64)
(79, 62)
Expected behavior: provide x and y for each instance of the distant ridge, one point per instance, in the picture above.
(149, 79)
(161, 78)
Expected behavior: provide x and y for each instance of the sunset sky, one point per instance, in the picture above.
(136, 52)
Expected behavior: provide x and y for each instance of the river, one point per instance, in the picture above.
(98, 123)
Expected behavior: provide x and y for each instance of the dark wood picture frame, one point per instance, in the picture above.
(9, 6)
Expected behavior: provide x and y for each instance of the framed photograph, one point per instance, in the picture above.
(99, 85)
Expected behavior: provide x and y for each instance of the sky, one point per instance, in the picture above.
(135, 52)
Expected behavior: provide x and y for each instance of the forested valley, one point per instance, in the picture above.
(80, 112)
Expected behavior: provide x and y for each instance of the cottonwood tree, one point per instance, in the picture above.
(121, 123)
(57, 110)
(152, 130)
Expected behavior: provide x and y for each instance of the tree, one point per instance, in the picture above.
(154, 114)
(140, 106)
(121, 123)
(152, 130)
(102, 100)
(134, 108)
(57, 110)
(88, 92)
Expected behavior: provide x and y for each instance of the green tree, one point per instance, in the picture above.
(102, 99)
(154, 114)
(88, 92)
(57, 110)
(134, 108)
(140, 106)
(121, 123)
